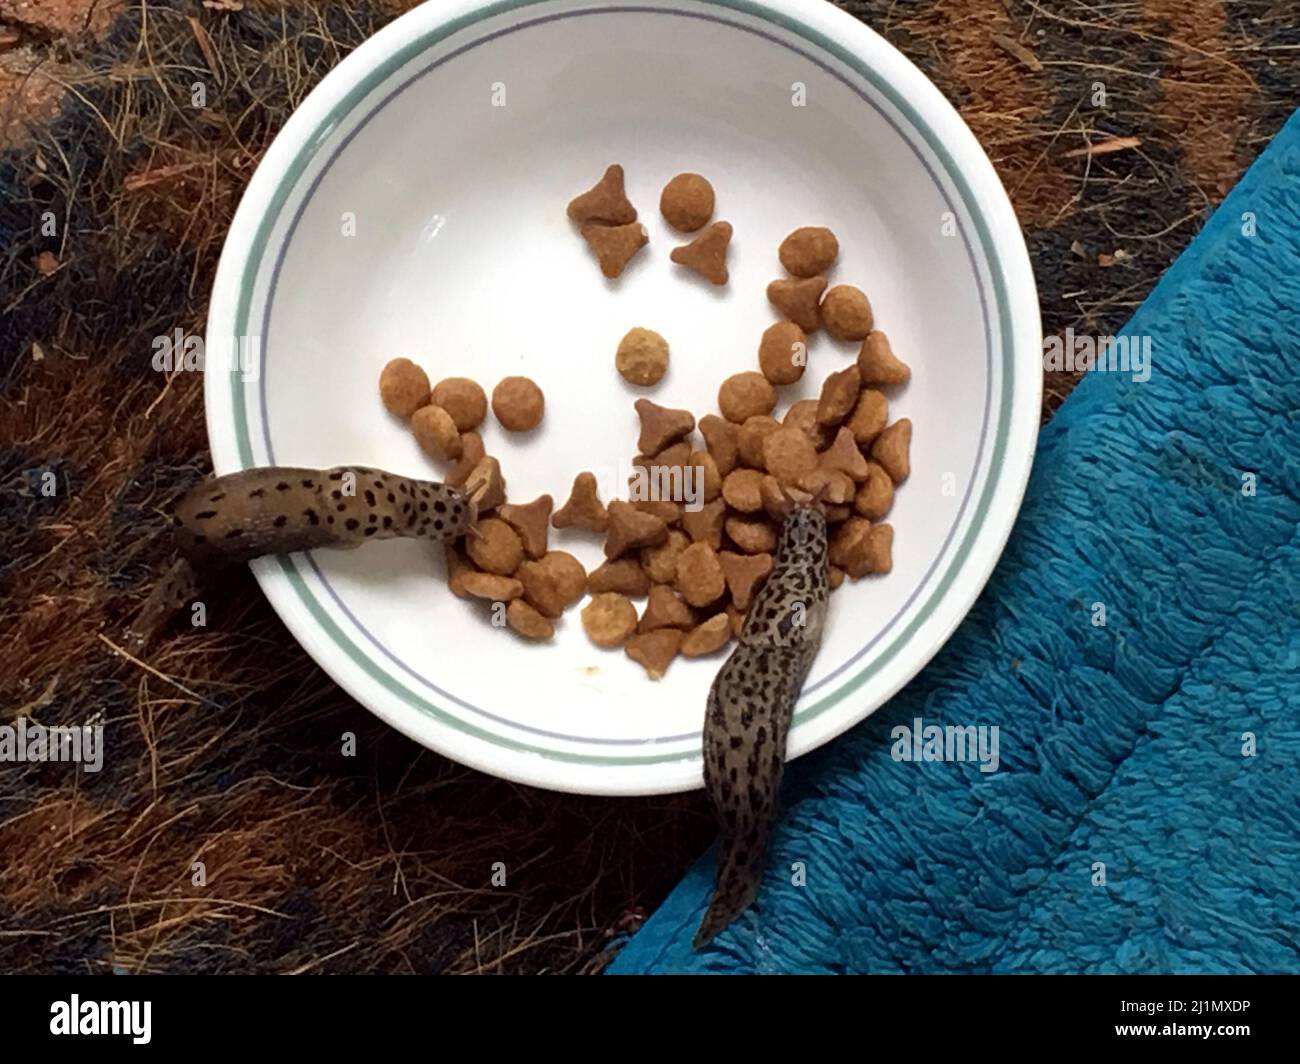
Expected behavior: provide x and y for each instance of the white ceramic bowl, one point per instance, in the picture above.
(404, 211)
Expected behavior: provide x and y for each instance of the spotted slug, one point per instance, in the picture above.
(750, 706)
(232, 519)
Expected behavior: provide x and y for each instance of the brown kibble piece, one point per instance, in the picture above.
(584, 508)
(660, 563)
(750, 437)
(687, 202)
(745, 574)
(742, 490)
(777, 499)
(892, 450)
(485, 486)
(532, 522)
(834, 576)
(471, 453)
(707, 479)
(843, 455)
(458, 569)
(664, 609)
(403, 387)
(839, 394)
(623, 575)
(661, 426)
(491, 586)
(707, 253)
(783, 352)
(745, 395)
(667, 511)
(674, 455)
(435, 432)
(737, 619)
(705, 524)
(711, 636)
(553, 582)
(609, 618)
(605, 202)
(630, 527)
(788, 455)
(720, 437)
(570, 576)
(846, 313)
(614, 245)
(876, 495)
(699, 575)
(859, 547)
(869, 416)
(654, 651)
(753, 535)
(836, 514)
(802, 415)
(830, 487)
(799, 300)
(642, 357)
(463, 399)
(877, 363)
(808, 251)
(528, 622)
(518, 404)
(497, 548)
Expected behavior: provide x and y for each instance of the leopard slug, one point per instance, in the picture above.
(275, 510)
(749, 710)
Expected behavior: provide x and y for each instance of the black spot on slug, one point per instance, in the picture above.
(257, 493)
(370, 497)
(336, 494)
(371, 531)
(437, 525)
(440, 506)
(312, 516)
(282, 486)
(280, 521)
(217, 498)
(351, 524)
(205, 515)
(388, 521)
(391, 497)
(234, 533)
(309, 483)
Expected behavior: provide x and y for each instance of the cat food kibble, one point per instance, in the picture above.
(471, 454)
(529, 622)
(705, 524)
(486, 486)
(859, 547)
(720, 437)
(687, 202)
(584, 508)
(623, 575)
(654, 651)
(700, 580)
(497, 548)
(809, 251)
(660, 562)
(878, 365)
(403, 386)
(532, 522)
(745, 574)
(630, 527)
(750, 437)
(839, 396)
(799, 300)
(609, 618)
(843, 456)
(846, 313)
(788, 455)
(712, 635)
(463, 399)
(614, 245)
(745, 395)
(868, 417)
(435, 432)
(605, 203)
(553, 582)
(753, 535)
(742, 490)
(707, 253)
(783, 352)
(892, 450)
(876, 495)
(664, 609)
(518, 404)
(491, 586)
(642, 357)
(661, 427)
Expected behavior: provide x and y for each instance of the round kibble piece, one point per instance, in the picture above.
(463, 399)
(742, 490)
(497, 548)
(609, 619)
(783, 352)
(687, 202)
(435, 432)
(700, 579)
(518, 404)
(403, 386)
(746, 395)
(846, 313)
(788, 455)
(809, 251)
(642, 357)
(750, 437)
(528, 622)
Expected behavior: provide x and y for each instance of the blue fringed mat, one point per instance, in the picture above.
(1145, 816)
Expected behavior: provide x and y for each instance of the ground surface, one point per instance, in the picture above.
(225, 745)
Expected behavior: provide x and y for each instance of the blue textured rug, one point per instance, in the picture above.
(1145, 816)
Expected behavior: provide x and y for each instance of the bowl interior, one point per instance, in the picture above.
(427, 219)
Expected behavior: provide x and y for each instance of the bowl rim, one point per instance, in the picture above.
(972, 560)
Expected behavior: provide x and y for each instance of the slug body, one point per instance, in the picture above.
(749, 710)
(275, 510)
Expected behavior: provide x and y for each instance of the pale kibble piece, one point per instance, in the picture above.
(609, 618)
(869, 416)
(846, 313)
(485, 485)
(630, 527)
(859, 547)
(623, 575)
(403, 387)
(878, 365)
(799, 300)
(518, 404)
(746, 395)
(843, 455)
(532, 522)
(741, 490)
(615, 245)
(664, 609)
(687, 202)
(707, 253)
(834, 576)
(777, 499)
(436, 433)
(458, 569)
(554, 582)
(700, 579)
(654, 651)
(829, 487)
(839, 395)
(605, 203)
(492, 586)
(661, 427)
(783, 352)
(674, 455)
(670, 513)
(471, 454)
(642, 357)
(708, 638)
(660, 563)
(750, 437)
(788, 455)
(705, 524)
(584, 508)
(463, 399)
(876, 494)
(892, 450)
(808, 251)
(753, 535)
(529, 622)
(497, 548)
(745, 574)
(720, 438)
(707, 479)
(802, 415)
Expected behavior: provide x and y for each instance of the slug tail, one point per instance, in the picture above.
(735, 888)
